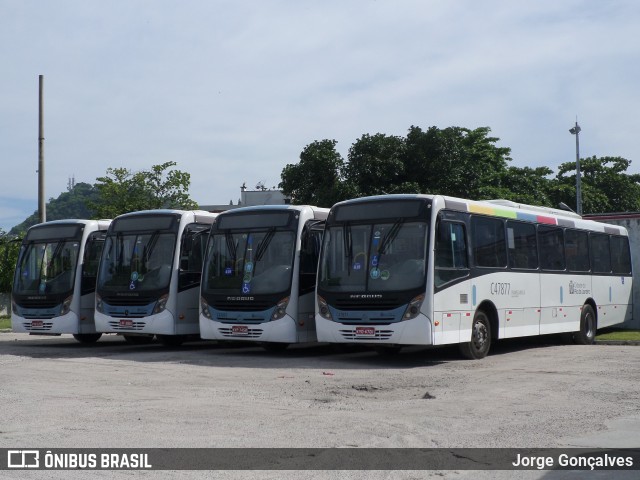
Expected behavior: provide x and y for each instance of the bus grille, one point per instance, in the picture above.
(45, 327)
(133, 326)
(380, 335)
(251, 333)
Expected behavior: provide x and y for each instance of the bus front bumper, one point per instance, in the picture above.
(417, 331)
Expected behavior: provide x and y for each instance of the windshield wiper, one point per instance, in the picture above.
(390, 236)
(54, 255)
(264, 244)
(348, 245)
(231, 246)
(151, 244)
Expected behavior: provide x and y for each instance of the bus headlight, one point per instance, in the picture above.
(413, 309)
(281, 309)
(162, 304)
(99, 304)
(204, 308)
(323, 308)
(66, 305)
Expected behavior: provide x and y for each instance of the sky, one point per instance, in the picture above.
(232, 91)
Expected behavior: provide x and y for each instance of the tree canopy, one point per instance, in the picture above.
(121, 191)
(455, 161)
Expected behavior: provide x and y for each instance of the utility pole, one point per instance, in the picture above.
(42, 208)
(576, 131)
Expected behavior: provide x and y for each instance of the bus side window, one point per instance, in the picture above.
(451, 260)
(600, 253)
(576, 244)
(489, 245)
(621, 261)
(551, 241)
(523, 250)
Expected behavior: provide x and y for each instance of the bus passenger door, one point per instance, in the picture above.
(310, 244)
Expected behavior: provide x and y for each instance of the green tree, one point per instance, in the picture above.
(605, 185)
(456, 161)
(317, 178)
(9, 248)
(376, 165)
(528, 185)
(121, 190)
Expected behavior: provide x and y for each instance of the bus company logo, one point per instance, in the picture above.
(23, 459)
(240, 299)
(576, 288)
(365, 296)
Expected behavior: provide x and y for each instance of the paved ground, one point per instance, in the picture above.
(57, 393)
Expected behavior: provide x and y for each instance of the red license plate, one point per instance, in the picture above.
(126, 323)
(365, 331)
(240, 330)
(36, 324)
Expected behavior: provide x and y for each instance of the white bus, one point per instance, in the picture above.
(149, 277)
(55, 279)
(432, 270)
(258, 282)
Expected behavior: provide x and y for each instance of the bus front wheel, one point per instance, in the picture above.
(480, 342)
(587, 333)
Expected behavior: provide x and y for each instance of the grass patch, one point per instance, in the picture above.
(5, 322)
(619, 335)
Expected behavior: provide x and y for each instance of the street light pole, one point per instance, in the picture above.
(576, 131)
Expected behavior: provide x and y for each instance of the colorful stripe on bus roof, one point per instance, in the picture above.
(500, 212)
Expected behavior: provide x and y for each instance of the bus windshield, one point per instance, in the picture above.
(374, 257)
(46, 267)
(250, 261)
(137, 262)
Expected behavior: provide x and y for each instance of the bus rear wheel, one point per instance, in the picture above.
(587, 333)
(87, 337)
(480, 342)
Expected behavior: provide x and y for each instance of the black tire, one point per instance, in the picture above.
(138, 339)
(480, 342)
(587, 333)
(87, 337)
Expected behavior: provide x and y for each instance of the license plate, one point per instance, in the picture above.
(37, 324)
(240, 330)
(365, 331)
(126, 323)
